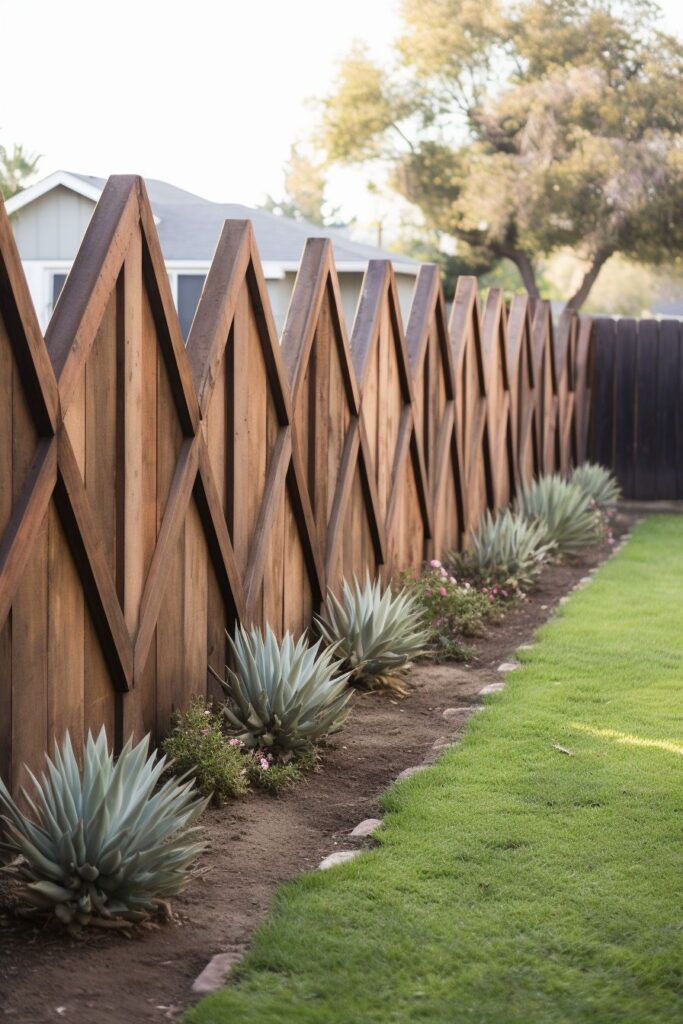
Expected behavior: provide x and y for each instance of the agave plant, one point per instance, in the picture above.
(103, 847)
(284, 696)
(508, 550)
(598, 483)
(376, 633)
(569, 519)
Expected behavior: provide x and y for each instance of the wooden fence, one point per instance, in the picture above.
(637, 417)
(152, 493)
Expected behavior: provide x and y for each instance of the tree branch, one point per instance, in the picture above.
(589, 278)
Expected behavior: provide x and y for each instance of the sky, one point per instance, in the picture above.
(208, 95)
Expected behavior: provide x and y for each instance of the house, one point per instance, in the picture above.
(49, 220)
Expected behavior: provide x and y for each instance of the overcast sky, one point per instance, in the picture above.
(206, 94)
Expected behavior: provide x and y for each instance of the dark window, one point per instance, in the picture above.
(57, 285)
(189, 289)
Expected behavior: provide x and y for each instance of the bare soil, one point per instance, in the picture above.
(259, 841)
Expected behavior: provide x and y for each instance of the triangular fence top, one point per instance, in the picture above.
(153, 494)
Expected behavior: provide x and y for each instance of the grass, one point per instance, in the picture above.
(516, 884)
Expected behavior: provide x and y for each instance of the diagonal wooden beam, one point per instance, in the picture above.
(179, 498)
(26, 339)
(166, 318)
(272, 497)
(27, 516)
(216, 532)
(98, 583)
(91, 281)
(216, 310)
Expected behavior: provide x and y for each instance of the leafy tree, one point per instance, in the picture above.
(526, 127)
(16, 166)
(305, 185)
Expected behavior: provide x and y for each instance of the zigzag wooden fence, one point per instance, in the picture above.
(151, 493)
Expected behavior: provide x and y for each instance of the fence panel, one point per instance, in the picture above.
(151, 495)
(637, 392)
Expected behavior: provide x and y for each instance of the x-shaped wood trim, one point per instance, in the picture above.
(237, 261)
(379, 287)
(466, 330)
(428, 310)
(316, 280)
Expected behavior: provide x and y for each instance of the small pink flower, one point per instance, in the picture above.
(443, 572)
(435, 563)
(235, 742)
(206, 732)
(265, 765)
(443, 591)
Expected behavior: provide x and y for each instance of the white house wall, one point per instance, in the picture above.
(52, 226)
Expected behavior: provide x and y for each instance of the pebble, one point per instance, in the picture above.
(366, 828)
(441, 743)
(216, 971)
(508, 666)
(408, 773)
(340, 857)
(492, 688)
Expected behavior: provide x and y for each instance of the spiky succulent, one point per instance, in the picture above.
(377, 633)
(569, 519)
(103, 846)
(285, 696)
(507, 550)
(598, 483)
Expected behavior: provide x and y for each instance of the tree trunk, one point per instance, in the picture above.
(527, 273)
(589, 278)
(525, 267)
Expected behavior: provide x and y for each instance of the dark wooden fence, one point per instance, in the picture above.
(637, 408)
(151, 494)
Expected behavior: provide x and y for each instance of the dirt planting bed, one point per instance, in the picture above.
(259, 841)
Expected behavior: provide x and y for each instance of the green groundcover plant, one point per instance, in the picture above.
(453, 612)
(222, 766)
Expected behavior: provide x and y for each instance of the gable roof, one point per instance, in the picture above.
(189, 226)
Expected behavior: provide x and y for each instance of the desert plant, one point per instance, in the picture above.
(598, 483)
(376, 633)
(105, 846)
(451, 611)
(285, 697)
(198, 746)
(507, 551)
(568, 518)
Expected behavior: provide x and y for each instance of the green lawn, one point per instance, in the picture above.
(516, 883)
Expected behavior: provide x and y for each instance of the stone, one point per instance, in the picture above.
(340, 857)
(408, 773)
(584, 580)
(366, 828)
(509, 666)
(216, 972)
(492, 688)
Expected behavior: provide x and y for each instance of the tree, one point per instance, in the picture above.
(15, 168)
(305, 185)
(525, 128)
